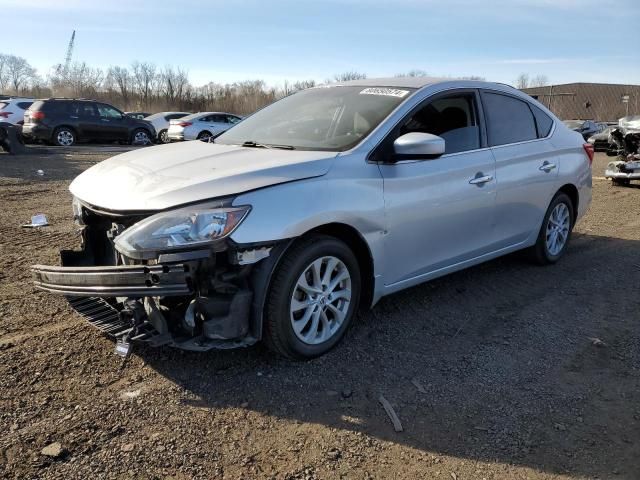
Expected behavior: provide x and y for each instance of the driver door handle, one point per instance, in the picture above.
(481, 180)
(547, 167)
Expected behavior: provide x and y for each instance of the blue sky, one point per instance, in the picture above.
(226, 41)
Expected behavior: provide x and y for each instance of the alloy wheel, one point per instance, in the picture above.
(558, 227)
(320, 300)
(65, 138)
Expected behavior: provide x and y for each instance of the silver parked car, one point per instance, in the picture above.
(160, 122)
(201, 126)
(326, 200)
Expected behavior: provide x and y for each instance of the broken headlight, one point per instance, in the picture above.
(179, 229)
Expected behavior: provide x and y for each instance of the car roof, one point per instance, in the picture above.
(421, 82)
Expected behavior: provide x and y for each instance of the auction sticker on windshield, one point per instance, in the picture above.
(389, 92)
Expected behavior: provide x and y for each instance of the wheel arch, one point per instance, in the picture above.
(358, 245)
(572, 192)
(204, 131)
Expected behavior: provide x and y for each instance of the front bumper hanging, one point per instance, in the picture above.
(115, 281)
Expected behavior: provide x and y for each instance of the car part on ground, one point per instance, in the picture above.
(625, 144)
(329, 198)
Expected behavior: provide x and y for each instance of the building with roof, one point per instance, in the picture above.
(605, 102)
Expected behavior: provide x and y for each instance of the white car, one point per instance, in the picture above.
(201, 126)
(160, 122)
(12, 110)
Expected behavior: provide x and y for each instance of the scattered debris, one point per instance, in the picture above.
(397, 426)
(53, 450)
(596, 342)
(346, 393)
(37, 220)
(127, 447)
(418, 385)
(40, 173)
(334, 454)
(131, 394)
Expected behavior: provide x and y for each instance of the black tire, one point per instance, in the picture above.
(64, 137)
(540, 252)
(620, 182)
(204, 136)
(163, 136)
(139, 132)
(279, 333)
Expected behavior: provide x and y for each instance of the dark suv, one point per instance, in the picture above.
(65, 121)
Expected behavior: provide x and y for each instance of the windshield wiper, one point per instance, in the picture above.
(251, 143)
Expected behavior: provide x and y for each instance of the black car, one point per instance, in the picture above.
(65, 121)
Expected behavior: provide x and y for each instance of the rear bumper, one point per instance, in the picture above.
(133, 281)
(176, 136)
(41, 132)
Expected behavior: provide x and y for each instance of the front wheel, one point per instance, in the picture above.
(140, 137)
(620, 182)
(555, 232)
(312, 298)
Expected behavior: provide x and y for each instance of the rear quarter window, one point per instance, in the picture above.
(509, 120)
(3, 104)
(543, 121)
(24, 105)
(55, 107)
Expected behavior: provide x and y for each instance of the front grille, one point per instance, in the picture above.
(104, 316)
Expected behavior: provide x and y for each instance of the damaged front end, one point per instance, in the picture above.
(625, 144)
(173, 278)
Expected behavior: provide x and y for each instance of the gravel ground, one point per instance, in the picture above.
(504, 371)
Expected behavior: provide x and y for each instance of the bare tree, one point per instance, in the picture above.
(173, 85)
(346, 76)
(413, 73)
(123, 81)
(19, 72)
(539, 81)
(4, 76)
(522, 81)
(145, 80)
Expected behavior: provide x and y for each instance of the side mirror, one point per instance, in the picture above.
(419, 145)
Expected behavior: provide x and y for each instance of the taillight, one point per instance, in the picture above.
(5, 114)
(588, 148)
(184, 124)
(37, 115)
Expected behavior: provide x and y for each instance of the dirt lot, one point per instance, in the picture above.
(514, 386)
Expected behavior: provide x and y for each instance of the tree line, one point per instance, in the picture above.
(147, 87)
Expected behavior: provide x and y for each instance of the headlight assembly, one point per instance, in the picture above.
(179, 229)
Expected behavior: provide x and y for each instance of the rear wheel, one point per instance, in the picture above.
(204, 136)
(64, 137)
(312, 298)
(555, 231)
(163, 136)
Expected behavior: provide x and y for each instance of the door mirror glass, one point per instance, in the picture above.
(419, 144)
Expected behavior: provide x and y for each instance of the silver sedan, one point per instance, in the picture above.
(201, 126)
(324, 201)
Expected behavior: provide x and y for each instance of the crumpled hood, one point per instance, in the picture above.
(156, 178)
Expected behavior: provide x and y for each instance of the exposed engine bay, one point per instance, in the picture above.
(625, 144)
(196, 299)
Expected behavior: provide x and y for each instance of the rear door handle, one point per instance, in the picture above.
(547, 167)
(481, 180)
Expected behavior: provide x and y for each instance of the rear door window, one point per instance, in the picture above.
(509, 120)
(24, 105)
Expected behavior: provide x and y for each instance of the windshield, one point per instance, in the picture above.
(325, 118)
